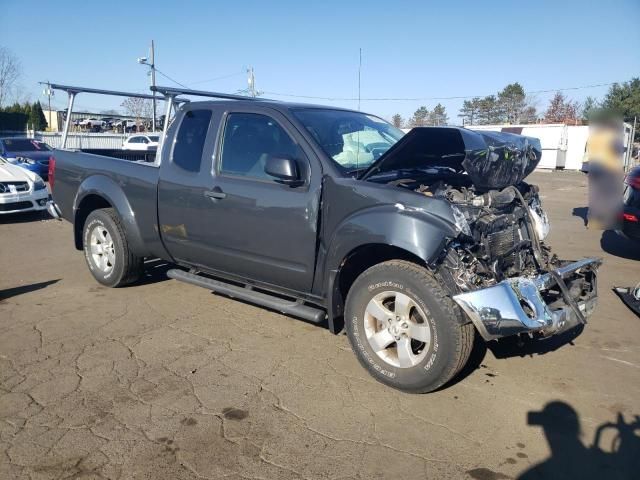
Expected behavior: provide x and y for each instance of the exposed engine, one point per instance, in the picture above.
(503, 239)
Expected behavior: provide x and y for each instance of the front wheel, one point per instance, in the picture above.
(107, 252)
(404, 329)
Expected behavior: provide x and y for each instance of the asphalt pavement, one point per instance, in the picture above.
(163, 380)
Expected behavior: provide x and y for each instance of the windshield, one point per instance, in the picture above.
(154, 138)
(24, 145)
(353, 140)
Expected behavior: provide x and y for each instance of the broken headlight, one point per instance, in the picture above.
(539, 217)
(460, 221)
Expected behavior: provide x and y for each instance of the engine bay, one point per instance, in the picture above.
(504, 235)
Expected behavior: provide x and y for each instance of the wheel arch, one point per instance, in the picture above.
(97, 192)
(355, 263)
(374, 235)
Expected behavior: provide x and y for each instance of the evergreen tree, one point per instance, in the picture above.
(438, 116)
(26, 109)
(469, 111)
(420, 117)
(624, 99)
(589, 107)
(397, 120)
(37, 119)
(511, 102)
(488, 111)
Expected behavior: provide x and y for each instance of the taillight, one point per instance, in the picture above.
(52, 172)
(629, 217)
(633, 182)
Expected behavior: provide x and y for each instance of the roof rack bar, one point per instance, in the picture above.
(72, 89)
(201, 93)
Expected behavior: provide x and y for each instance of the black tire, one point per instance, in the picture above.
(126, 267)
(451, 337)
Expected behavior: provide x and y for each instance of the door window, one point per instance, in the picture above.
(187, 151)
(249, 140)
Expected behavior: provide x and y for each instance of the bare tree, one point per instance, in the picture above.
(139, 108)
(10, 73)
(561, 110)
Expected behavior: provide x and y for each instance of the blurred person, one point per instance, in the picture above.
(603, 164)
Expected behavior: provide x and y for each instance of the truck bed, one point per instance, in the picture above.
(130, 186)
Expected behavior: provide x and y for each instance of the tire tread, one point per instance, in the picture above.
(464, 337)
(133, 266)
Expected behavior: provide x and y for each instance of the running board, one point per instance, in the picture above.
(247, 294)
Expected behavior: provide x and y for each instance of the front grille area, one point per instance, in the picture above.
(7, 207)
(502, 241)
(19, 187)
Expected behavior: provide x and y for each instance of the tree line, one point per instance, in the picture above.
(513, 105)
(21, 116)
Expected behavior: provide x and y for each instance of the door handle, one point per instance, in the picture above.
(215, 194)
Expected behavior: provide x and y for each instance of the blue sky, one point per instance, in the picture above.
(410, 49)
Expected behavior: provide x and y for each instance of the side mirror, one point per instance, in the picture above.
(285, 170)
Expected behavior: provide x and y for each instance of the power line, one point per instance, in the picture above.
(218, 78)
(171, 79)
(457, 97)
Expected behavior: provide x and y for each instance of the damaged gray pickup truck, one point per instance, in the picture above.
(415, 243)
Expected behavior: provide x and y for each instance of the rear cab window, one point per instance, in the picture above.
(190, 140)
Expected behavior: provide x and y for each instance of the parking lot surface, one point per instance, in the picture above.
(166, 380)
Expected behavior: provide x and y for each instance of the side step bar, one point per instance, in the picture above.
(288, 307)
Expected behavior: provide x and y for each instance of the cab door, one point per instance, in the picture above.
(228, 215)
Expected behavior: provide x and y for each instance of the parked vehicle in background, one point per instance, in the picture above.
(631, 208)
(125, 126)
(416, 242)
(20, 189)
(108, 123)
(141, 142)
(93, 124)
(30, 154)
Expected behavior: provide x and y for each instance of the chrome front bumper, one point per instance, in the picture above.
(499, 311)
(53, 210)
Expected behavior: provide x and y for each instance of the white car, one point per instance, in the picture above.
(91, 123)
(125, 125)
(141, 143)
(21, 190)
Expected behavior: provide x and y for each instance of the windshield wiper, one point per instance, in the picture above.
(356, 171)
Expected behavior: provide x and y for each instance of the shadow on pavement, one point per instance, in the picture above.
(478, 352)
(12, 292)
(614, 453)
(582, 213)
(615, 244)
(524, 346)
(155, 271)
(25, 217)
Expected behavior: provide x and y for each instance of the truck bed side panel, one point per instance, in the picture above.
(130, 187)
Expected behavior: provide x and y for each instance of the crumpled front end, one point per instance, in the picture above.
(545, 305)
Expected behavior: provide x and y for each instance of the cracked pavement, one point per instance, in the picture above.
(166, 380)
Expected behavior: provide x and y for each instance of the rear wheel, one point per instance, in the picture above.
(404, 328)
(107, 252)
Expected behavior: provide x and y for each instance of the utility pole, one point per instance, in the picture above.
(49, 93)
(251, 81)
(153, 84)
(359, 70)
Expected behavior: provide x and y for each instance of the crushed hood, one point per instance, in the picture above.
(491, 159)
